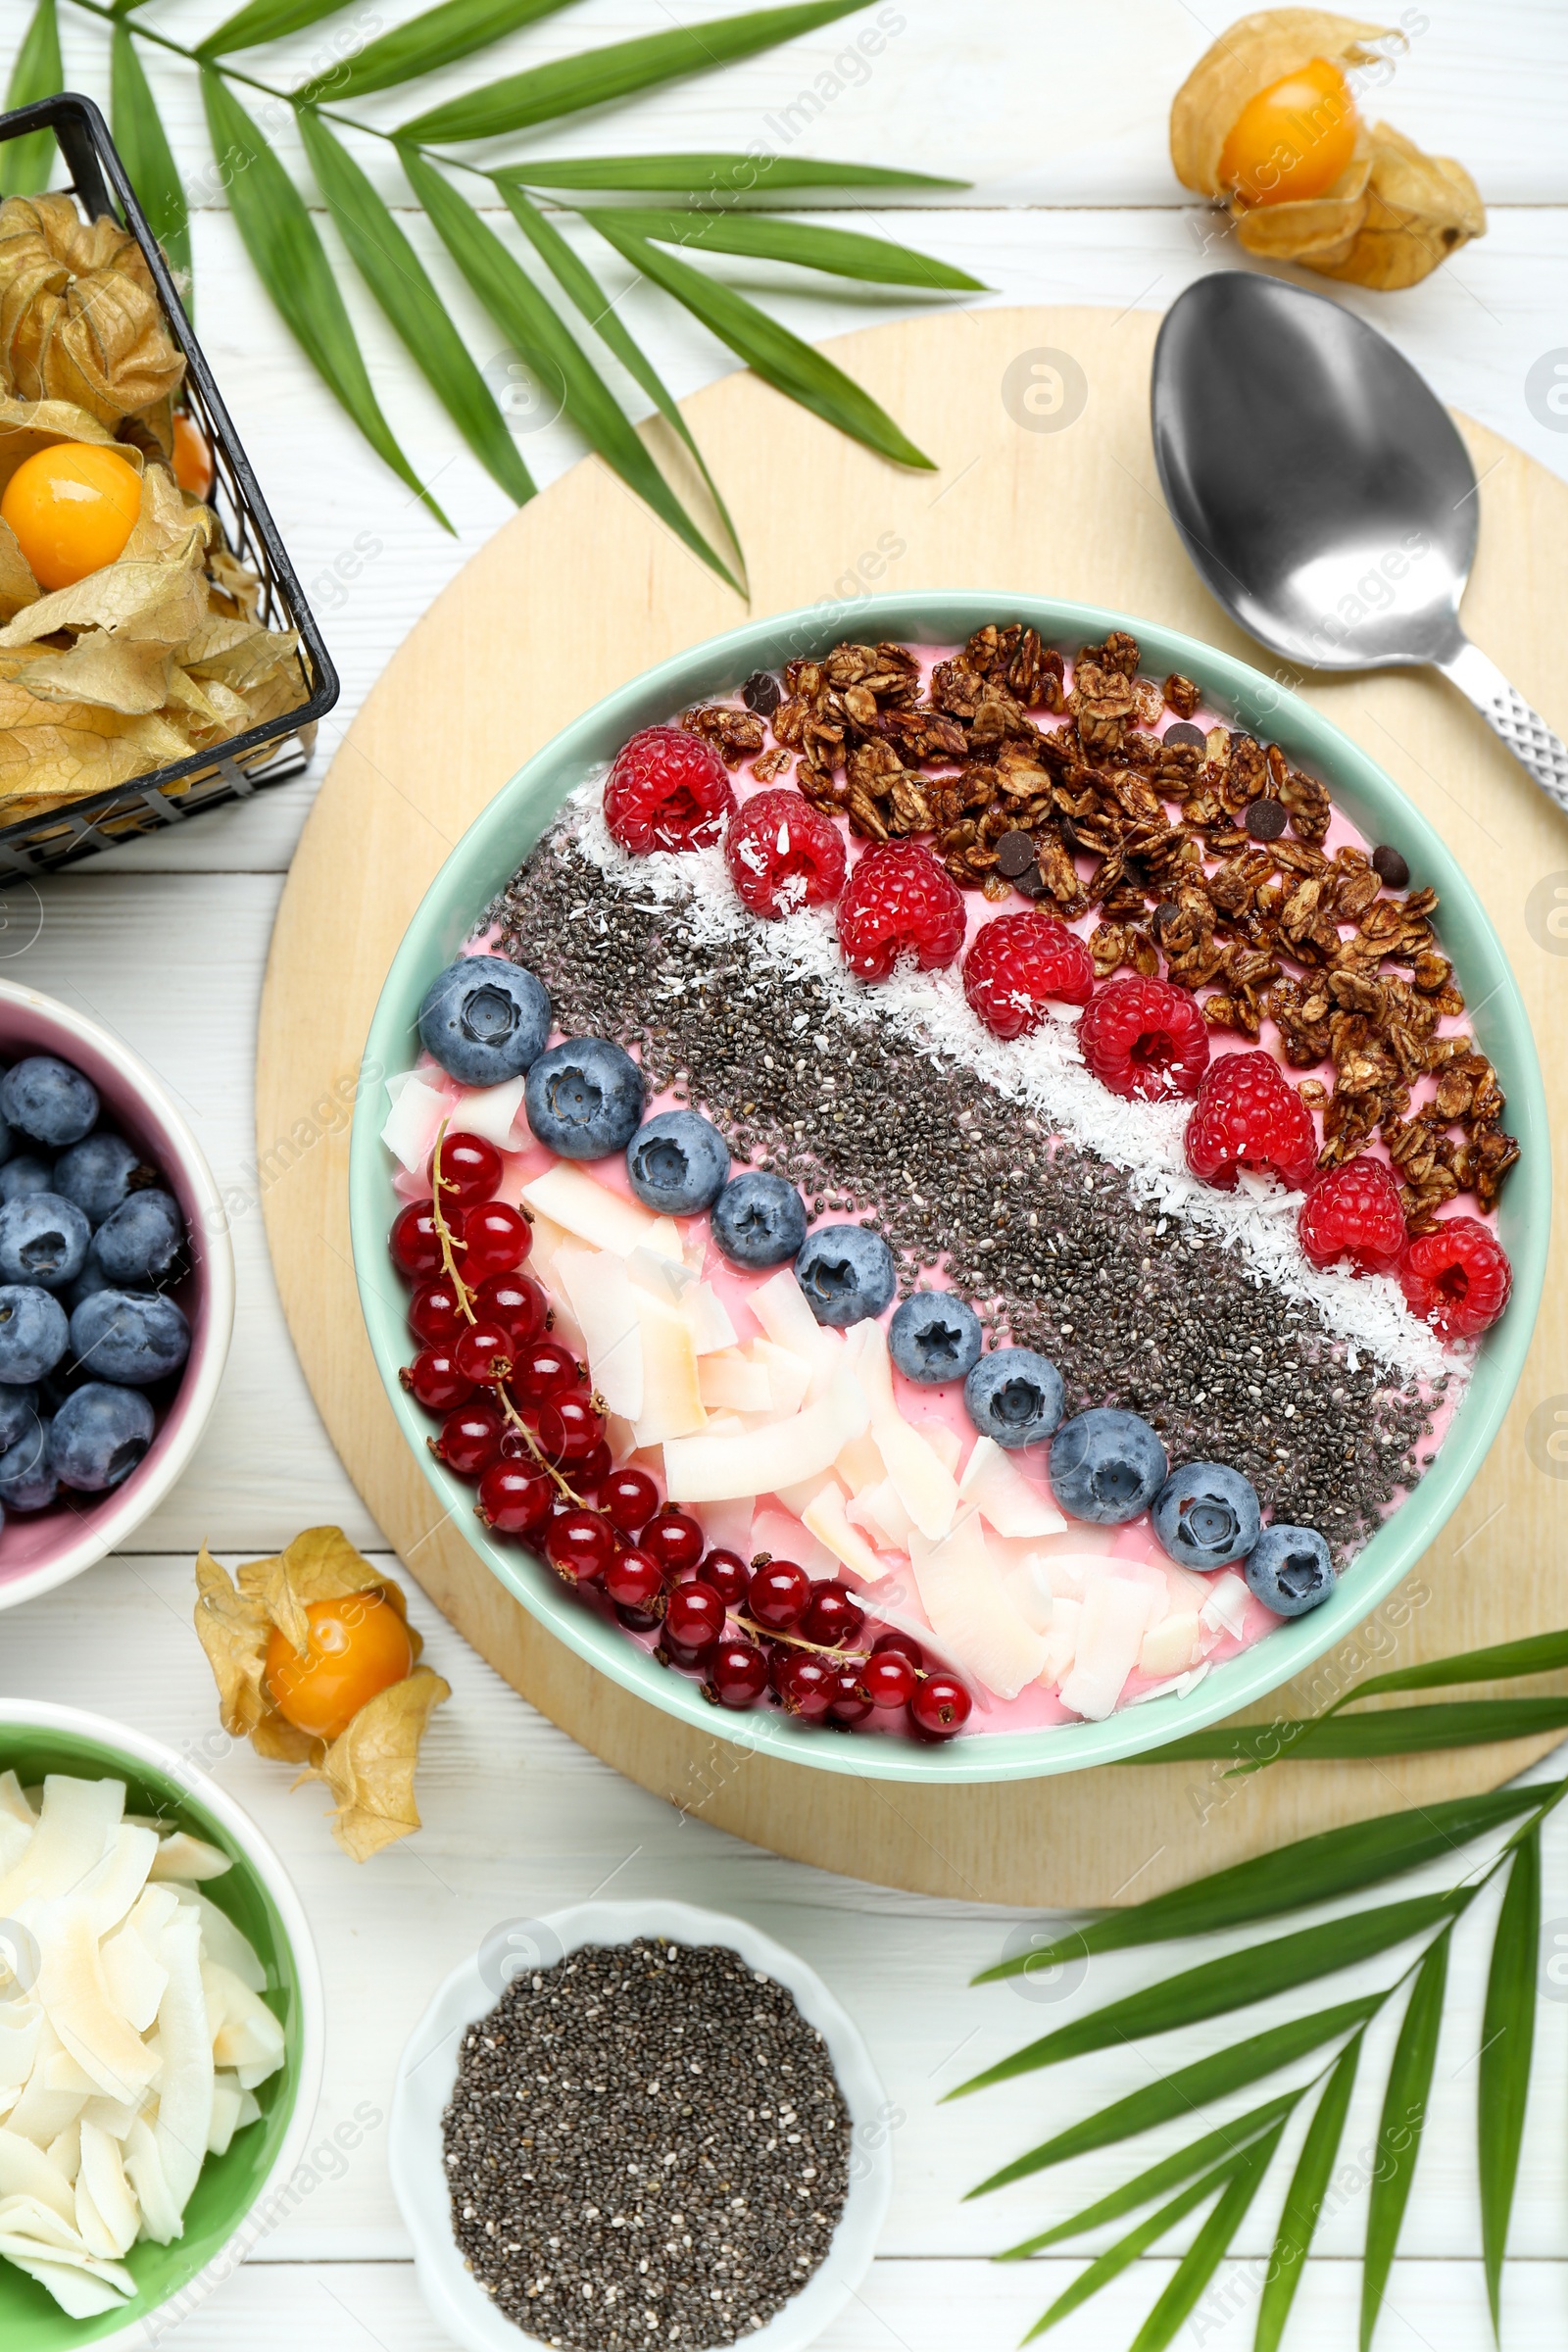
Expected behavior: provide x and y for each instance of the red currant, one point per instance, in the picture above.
(806, 1687)
(903, 1645)
(888, 1679)
(777, 1596)
(737, 1674)
(434, 1315)
(674, 1539)
(637, 1621)
(483, 1351)
(470, 1439)
(940, 1706)
(726, 1572)
(495, 1239)
(849, 1704)
(635, 1582)
(694, 1616)
(516, 1302)
(676, 1653)
(514, 1500)
(832, 1616)
(569, 1429)
(542, 1369)
(630, 1498)
(581, 1544)
(437, 1381)
(470, 1170)
(414, 1241)
(590, 1474)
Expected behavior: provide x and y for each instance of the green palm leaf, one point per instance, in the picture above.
(1214, 2147)
(1390, 1732)
(146, 154)
(578, 282)
(763, 237)
(1217, 1987)
(1303, 2200)
(1191, 2086)
(290, 261)
(779, 358)
(457, 29)
(1507, 2044)
(397, 278)
(264, 21)
(569, 83)
(1404, 2108)
(533, 329)
(37, 72)
(714, 175)
(1108, 2266)
(1312, 1869)
(1209, 2247)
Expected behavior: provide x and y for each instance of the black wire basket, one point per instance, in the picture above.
(262, 755)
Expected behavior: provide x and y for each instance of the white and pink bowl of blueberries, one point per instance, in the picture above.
(116, 1293)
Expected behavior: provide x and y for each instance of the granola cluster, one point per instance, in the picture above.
(1201, 854)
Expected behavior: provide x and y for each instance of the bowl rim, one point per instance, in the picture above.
(149, 2328)
(105, 1527)
(427, 2072)
(488, 853)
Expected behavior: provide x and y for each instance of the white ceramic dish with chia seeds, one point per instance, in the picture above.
(428, 2070)
(483, 863)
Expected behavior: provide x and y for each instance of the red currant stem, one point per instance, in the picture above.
(821, 1649)
(449, 1243)
(531, 1441)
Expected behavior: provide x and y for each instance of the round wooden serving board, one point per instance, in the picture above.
(583, 590)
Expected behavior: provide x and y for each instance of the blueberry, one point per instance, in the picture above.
(98, 1436)
(8, 1142)
(89, 1283)
(1107, 1466)
(1205, 1515)
(25, 1174)
(119, 1335)
(934, 1336)
(97, 1174)
(26, 1480)
(676, 1163)
(34, 1334)
(585, 1098)
(48, 1099)
(1014, 1395)
(484, 1019)
(758, 1220)
(138, 1242)
(43, 1239)
(847, 1273)
(18, 1410)
(1289, 1570)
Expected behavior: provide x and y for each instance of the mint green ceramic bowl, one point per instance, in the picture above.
(492, 848)
(239, 2196)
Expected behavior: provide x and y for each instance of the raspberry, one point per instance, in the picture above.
(1354, 1212)
(783, 853)
(898, 901)
(1020, 962)
(1144, 1038)
(1457, 1277)
(666, 790)
(1247, 1115)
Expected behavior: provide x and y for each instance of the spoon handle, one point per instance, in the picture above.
(1539, 751)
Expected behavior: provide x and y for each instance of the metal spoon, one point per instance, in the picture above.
(1324, 495)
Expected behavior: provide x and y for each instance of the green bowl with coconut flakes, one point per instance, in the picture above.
(242, 2195)
(496, 843)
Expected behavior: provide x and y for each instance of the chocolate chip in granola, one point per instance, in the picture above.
(1031, 882)
(763, 693)
(1015, 850)
(1180, 731)
(1391, 867)
(1265, 820)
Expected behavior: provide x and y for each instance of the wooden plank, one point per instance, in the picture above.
(1074, 511)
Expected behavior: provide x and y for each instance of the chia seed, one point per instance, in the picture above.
(1045, 1239)
(645, 2144)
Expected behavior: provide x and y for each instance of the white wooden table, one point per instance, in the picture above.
(1058, 114)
